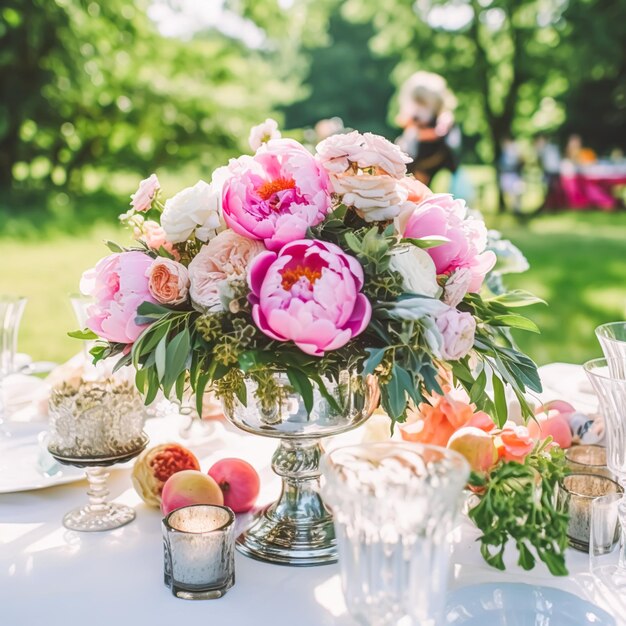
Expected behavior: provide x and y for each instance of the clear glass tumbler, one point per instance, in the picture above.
(199, 551)
(608, 377)
(394, 506)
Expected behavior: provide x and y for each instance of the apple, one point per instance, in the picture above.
(477, 446)
(189, 487)
(239, 482)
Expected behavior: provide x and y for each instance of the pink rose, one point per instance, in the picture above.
(441, 214)
(277, 194)
(168, 281)
(457, 329)
(142, 199)
(226, 257)
(417, 191)
(118, 285)
(338, 153)
(153, 235)
(309, 293)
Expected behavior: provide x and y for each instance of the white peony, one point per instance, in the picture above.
(196, 208)
(262, 133)
(417, 269)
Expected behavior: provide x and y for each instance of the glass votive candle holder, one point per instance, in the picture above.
(199, 551)
(576, 494)
(588, 459)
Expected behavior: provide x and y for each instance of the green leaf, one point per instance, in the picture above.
(180, 385)
(85, 334)
(176, 356)
(159, 357)
(426, 242)
(112, 246)
(152, 309)
(515, 321)
(125, 360)
(352, 242)
(516, 298)
(373, 360)
(153, 386)
(201, 384)
(302, 385)
(499, 399)
(478, 388)
(141, 377)
(396, 391)
(164, 253)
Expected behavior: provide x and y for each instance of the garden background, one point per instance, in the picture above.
(95, 96)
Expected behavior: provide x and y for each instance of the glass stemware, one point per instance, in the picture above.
(95, 424)
(11, 310)
(610, 387)
(612, 338)
(394, 506)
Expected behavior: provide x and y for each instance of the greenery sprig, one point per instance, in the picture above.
(517, 502)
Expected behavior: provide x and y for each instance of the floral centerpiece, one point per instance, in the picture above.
(309, 265)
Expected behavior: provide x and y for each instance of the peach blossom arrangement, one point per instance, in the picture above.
(308, 262)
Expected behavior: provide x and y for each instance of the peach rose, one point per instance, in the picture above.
(226, 257)
(168, 281)
(514, 443)
(477, 446)
(375, 198)
(416, 191)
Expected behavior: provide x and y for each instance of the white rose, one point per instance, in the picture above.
(417, 269)
(196, 208)
(375, 198)
(263, 133)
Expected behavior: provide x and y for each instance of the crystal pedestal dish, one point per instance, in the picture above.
(297, 529)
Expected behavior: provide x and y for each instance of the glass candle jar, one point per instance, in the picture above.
(198, 547)
(576, 494)
(588, 459)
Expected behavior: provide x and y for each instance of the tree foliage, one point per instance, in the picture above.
(94, 85)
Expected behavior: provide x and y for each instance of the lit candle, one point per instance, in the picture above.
(198, 545)
(576, 493)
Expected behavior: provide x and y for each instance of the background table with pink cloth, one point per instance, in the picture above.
(590, 186)
(52, 576)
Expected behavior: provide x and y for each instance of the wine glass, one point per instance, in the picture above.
(11, 310)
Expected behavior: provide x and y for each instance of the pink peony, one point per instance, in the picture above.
(441, 214)
(277, 194)
(168, 281)
(309, 293)
(142, 199)
(118, 285)
(226, 257)
(338, 153)
(457, 329)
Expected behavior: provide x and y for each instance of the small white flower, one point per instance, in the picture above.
(262, 133)
(417, 269)
(196, 208)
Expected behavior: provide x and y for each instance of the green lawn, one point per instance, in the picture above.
(578, 264)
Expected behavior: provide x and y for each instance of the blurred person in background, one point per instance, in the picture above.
(549, 159)
(510, 178)
(426, 115)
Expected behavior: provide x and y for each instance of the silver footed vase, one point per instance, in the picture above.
(298, 529)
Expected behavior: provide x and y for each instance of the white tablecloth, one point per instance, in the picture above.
(52, 576)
